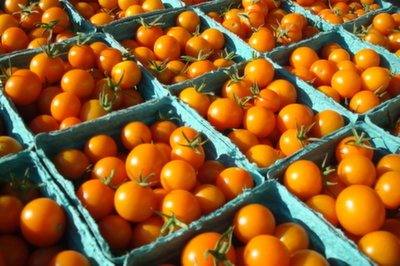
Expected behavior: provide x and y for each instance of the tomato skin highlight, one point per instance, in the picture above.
(43, 222)
(134, 202)
(360, 210)
(194, 250)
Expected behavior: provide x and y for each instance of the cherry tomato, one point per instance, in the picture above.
(42, 256)
(233, 180)
(183, 204)
(135, 133)
(357, 169)
(43, 222)
(387, 188)
(145, 160)
(10, 211)
(360, 210)
(147, 231)
(70, 257)
(23, 87)
(49, 69)
(9, 145)
(293, 236)
(71, 163)
(325, 205)
(178, 174)
(14, 248)
(110, 169)
(389, 162)
(115, 230)
(252, 220)
(303, 178)
(263, 155)
(134, 202)
(194, 250)
(354, 144)
(307, 257)
(210, 198)
(96, 197)
(100, 146)
(225, 113)
(381, 246)
(266, 249)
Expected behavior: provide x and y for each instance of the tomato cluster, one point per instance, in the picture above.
(181, 51)
(102, 12)
(254, 239)
(383, 31)
(339, 11)
(32, 226)
(357, 81)
(354, 193)
(264, 25)
(31, 24)
(55, 92)
(156, 181)
(261, 114)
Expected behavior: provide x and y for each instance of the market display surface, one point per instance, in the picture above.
(167, 132)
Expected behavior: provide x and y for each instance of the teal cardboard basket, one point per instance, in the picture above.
(305, 95)
(47, 145)
(385, 118)
(148, 87)
(13, 124)
(286, 208)
(348, 42)
(77, 235)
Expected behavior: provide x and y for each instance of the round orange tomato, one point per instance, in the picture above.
(194, 251)
(360, 210)
(267, 250)
(303, 178)
(381, 246)
(9, 145)
(233, 180)
(252, 220)
(43, 222)
(293, 235)
(70, 257)
(23, 87)
(134, 202)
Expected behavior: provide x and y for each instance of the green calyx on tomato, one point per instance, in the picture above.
(194, 143)
(360, 140)
(222, 247)
(171, 224)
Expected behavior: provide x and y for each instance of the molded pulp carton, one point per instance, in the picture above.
(77, 236)
(286, 208)
(13, 125)
(384, 119)
(168, 4)
(305, 95)
(148, 87)
(48, 145)
(386, 6)
(222, 6)
(379, 140)
(78, 24)
(347, 41)
(126, 29)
